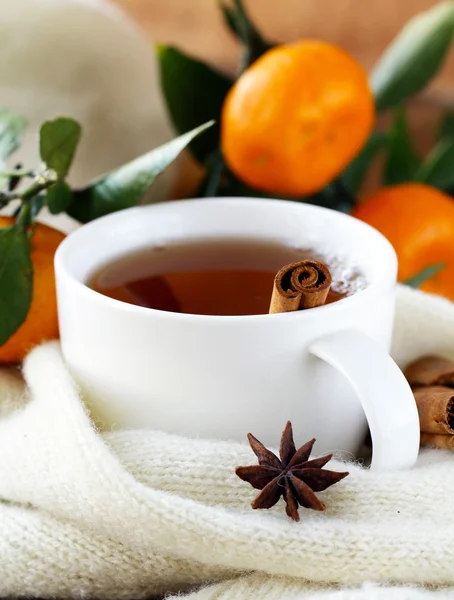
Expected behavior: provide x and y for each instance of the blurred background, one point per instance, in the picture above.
(95, 60)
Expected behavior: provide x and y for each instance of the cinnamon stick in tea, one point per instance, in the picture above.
(436, 409)
(299, 286)
(430, 370)
(443, 442)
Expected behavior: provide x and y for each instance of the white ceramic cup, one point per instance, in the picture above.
(326, 369)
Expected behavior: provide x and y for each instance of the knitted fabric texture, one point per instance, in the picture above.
(135, 514)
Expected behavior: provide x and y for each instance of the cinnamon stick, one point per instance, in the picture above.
(444, 442)
(299, 286)
(430, 370)
(436, 409)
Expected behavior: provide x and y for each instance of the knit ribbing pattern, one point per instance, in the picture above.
(132, 514)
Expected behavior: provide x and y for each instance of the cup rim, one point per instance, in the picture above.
(384, 281)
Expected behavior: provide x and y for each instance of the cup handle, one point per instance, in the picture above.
(385, 395)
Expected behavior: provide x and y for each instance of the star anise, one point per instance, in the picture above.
(292, 476)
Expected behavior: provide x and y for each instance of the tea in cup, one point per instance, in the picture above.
(209, 360)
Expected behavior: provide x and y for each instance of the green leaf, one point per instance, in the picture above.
(126, 186)
(239, 22)
(230, 19)
(11, 129)
(58, 197)
(16, 280)
(36, 205)
(354, 174)
(402, 162)
(438, 168)
(446, 126)
(414, 57)
(194, 94)
(424, 275)
(58, 140)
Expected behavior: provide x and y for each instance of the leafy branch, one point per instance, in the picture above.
(47, 187)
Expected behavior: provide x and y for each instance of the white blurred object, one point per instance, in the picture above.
(84, 59)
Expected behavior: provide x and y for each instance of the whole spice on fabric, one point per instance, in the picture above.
(292, 476)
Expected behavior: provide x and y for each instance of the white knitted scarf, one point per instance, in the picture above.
(135, 514)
